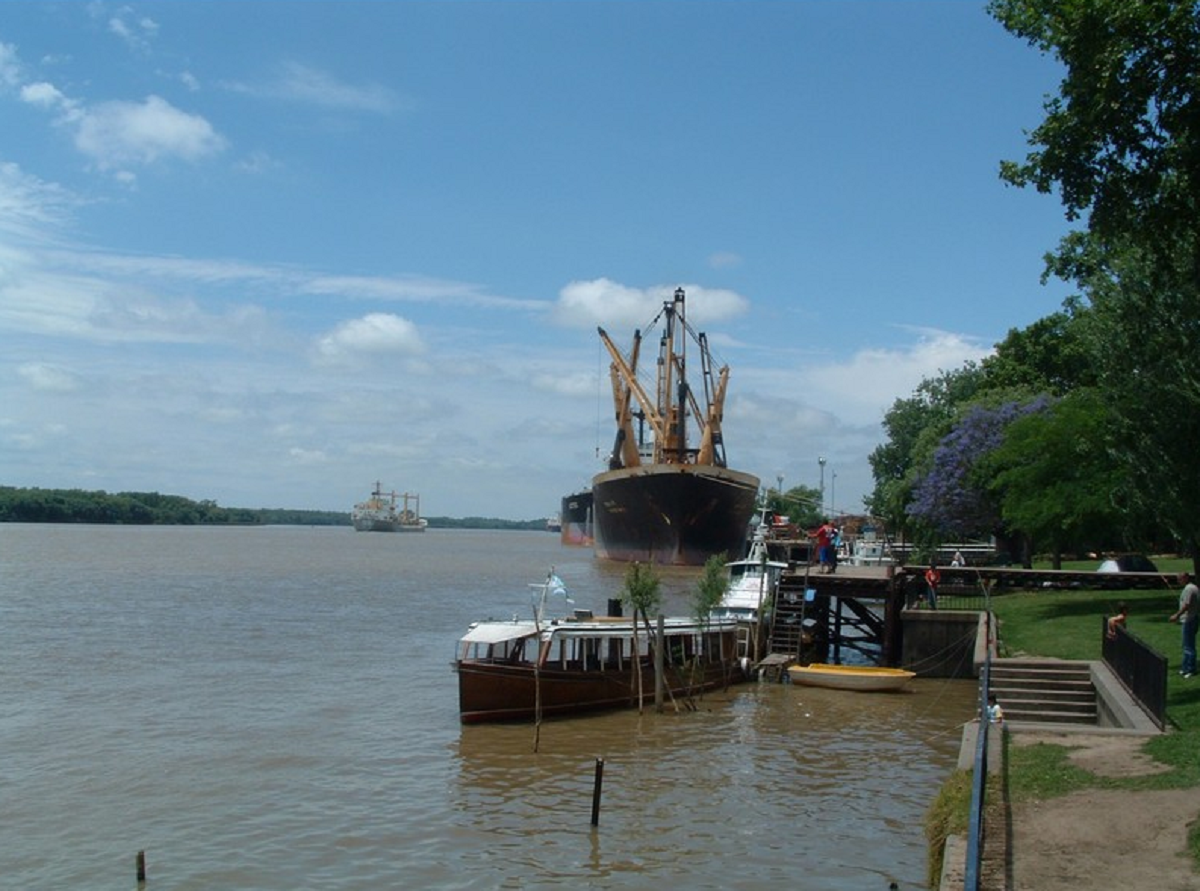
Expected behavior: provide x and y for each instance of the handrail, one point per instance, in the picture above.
(975, 831)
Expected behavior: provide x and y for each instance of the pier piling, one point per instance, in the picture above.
(141, 868)
(597, 785)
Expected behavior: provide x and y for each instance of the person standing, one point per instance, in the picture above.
(1188, 616)
(933, 578)
(824, 540)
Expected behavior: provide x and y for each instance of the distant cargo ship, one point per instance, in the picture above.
(576, 520)
(668, 495)
(381, 513)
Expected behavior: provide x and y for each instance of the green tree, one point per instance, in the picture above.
(643, 594)
(1051, 356)
(800, 504)
(1120, 144)
(1055, 479)
(710, 588)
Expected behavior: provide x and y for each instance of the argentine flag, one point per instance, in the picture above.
(557, 587)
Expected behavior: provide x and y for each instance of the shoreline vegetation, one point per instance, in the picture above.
(35, 505)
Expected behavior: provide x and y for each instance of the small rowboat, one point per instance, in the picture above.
(864, 678)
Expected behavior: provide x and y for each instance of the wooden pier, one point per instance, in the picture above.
(821, 617)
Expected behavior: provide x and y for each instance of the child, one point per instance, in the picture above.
(995, 713)
(1117, 621)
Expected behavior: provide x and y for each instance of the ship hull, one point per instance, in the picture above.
(576, 518)
(672, 514)
(374, 524)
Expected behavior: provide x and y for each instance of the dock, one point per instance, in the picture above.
(868, 610)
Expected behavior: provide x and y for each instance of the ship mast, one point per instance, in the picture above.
(667, 413)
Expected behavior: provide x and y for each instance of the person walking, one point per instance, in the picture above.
(1188, 616)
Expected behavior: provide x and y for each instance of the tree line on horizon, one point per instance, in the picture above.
(36, 505)
(1080, 432)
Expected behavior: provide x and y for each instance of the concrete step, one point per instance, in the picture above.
(1072, 707)
(1041, 683)
(1044, 716)
(1068, 698)
(1048, 670)
(1044, 691)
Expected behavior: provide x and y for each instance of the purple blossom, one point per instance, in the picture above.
(947, 498)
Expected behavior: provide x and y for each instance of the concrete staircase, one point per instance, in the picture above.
(1044, 691)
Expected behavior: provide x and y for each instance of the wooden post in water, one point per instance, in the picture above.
(597, 785)
(141, 867)
(659, 680)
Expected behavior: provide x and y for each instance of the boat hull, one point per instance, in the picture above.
(675, 514)
(862, 678)
(576, 519)
(492, 692)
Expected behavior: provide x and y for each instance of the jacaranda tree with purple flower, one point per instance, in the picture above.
(951, 499)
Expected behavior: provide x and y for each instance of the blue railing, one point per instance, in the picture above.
(975, 828)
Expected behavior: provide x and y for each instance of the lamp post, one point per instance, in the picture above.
(821, 461)
(833, 492)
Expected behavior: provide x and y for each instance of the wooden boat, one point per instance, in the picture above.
(520, 670)
(863, 678)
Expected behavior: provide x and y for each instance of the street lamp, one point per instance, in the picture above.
(833, 493)
(821, 461)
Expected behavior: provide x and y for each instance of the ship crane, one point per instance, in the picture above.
(677, 502)
(668, 416)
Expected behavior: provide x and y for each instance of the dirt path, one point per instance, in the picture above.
(1104, 839)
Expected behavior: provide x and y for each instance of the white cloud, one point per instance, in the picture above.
(307, 457)
(115, 134)
(302, 83)
(48, 378)
(412, 288)
(10, 66)
(29, 207)
(866, 386)
(579, 384)
(44, 94)
(584, 304)
(136, 32)
(371, 336)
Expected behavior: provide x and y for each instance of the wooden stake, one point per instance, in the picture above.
(141, 867)
(596, 787)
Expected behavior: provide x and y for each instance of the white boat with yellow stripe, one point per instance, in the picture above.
(861, 678)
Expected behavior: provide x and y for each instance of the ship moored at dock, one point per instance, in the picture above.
(668, 496)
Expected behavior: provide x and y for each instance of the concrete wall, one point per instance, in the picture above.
(940, 643)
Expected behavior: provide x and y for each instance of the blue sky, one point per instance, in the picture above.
(268, 253)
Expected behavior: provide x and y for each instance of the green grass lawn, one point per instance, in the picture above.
(1069, 625)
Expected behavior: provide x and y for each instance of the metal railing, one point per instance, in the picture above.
(975, 829)
(1142, 670)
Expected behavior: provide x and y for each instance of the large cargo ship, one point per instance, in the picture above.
(668, 496)
(380, 513)
(576, 518)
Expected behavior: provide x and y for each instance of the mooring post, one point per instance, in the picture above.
(141, 867)
(596, 787)
(659, 679)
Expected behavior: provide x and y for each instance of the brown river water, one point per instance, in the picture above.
(273, 708)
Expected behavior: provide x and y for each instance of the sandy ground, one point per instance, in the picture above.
(1104, 839)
